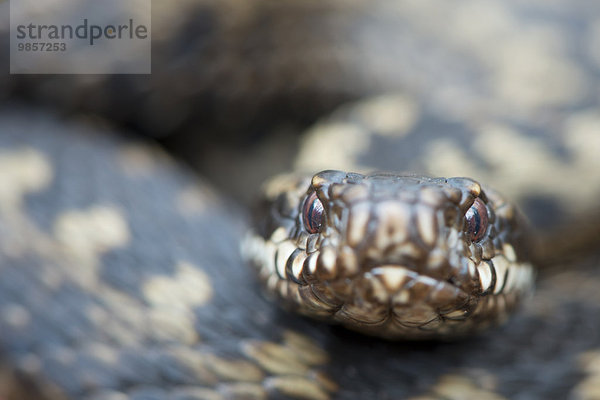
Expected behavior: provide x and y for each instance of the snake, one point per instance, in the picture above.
(121, 275)
(397, 256)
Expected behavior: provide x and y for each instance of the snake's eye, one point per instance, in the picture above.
(312, 213)
(477, 220)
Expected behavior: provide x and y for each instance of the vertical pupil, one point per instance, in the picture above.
(477, 222)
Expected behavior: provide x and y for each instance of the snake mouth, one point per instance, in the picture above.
(396, 272)
(441, 266)
(399, 284)
(399, 295)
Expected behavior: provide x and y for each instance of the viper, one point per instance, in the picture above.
(121, 276)
(397, 256)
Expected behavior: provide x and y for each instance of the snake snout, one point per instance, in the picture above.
(397, 232)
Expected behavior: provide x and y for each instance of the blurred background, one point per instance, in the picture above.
(231, 82)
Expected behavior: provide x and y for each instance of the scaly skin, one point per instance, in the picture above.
(393, 257)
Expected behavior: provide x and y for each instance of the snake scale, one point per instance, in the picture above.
(120, 270)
